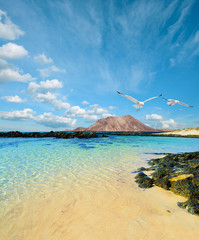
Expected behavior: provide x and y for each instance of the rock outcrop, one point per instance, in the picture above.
(178, 173)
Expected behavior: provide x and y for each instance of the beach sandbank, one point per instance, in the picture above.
(182, 132)
(108, 209)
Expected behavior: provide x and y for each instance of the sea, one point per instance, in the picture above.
(34, 171)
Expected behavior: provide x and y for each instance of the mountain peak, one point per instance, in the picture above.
(126, 123)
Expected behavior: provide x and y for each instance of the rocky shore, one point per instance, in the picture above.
(64, 135)
(178, 173)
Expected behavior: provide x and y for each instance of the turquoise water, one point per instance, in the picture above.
(29, 164)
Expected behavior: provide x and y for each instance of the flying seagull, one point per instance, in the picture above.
(138, 104)
(172, 102)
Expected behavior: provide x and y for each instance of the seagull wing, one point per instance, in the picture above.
(129, 97)
(152, 98)
(184, 104)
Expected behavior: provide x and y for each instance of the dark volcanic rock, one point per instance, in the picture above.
(64, 135)
(143, 180)
(178, 173)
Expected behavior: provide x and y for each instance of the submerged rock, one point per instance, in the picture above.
(178, 173)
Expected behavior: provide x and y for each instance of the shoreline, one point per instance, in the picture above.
(178, 173)
(120, 211)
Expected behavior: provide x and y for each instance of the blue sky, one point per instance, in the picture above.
(62, 61)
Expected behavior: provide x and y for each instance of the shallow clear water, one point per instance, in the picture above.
(52, 189)
(28, 164)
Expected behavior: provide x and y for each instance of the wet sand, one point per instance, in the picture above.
(104, 209)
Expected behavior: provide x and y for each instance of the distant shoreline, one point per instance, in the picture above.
(95, 134)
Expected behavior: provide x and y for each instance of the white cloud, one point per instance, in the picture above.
(44, 86)
(51, 84)
(75, 111)
(46, 72)
(42, 59)
(12, 51)
(94, 106)
(51, 98)
(53, 121)
(90, 118)
(46, 119)
(4, 64)
(89, 115)
(101, 111)
(41, 93)
(8, 75)
(85, 102)
(59, 105)
(169, 124)
(45, 97)
(33, 87)
(13, 99)
(23, 115)
(153, 117)
(158, 122)
(8, 30)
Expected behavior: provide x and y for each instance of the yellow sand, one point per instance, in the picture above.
(183, 132)
(109, 209)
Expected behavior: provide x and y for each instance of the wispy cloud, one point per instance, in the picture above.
(42, 59)
(47, 72)
(85, 102)
(189, 49)
(8, 30)
(154, 117)
(83, 26)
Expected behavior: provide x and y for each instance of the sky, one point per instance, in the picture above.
(62, 61)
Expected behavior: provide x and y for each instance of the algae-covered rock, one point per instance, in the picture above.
(64, 135)
(143, 180)
(178, 173)
(163, 182)
(185, 188)
(191, 205)
(181, 177)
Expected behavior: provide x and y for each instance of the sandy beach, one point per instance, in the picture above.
(182, 132)
(114, 209)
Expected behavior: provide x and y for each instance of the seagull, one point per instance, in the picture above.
(172, 102)
(138, 104)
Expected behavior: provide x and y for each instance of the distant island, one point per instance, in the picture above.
(118, 124)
